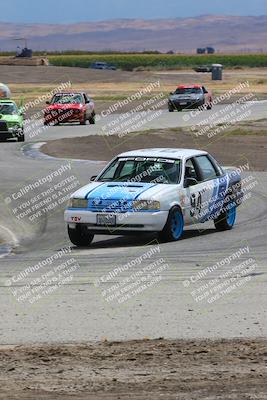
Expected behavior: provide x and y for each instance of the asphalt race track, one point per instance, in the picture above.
(157, 119)
(78, 310)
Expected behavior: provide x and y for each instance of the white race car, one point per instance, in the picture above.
(154, 190)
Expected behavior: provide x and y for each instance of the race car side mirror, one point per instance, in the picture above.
(93, 178)
(190, 182)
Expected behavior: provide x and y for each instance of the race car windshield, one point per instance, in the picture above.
(165, 171)
(67, 99)
(8, 109)
(187, 91)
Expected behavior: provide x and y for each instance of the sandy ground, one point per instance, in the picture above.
(228, 150)
(147, 369)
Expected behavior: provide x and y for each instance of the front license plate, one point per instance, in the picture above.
(106, 219)
(183, 104)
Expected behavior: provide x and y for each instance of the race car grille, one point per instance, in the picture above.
(63, 113)
(3, 126)
(110, 205)
(184, 103)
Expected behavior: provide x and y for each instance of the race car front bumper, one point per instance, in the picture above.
(148, 221)
(10, 134)
(180, 104)
(63, 116)
(7, 135)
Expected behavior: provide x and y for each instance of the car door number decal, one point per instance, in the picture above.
(196, 204)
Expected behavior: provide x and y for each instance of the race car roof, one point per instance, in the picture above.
(163, 153)
(71, 93)
(7, 101)
(189, 86)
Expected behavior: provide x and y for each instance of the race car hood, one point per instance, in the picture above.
(11, 118)
(117, 191)
(192, 96)
(68, 106)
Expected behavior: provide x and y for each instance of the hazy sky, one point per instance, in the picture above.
(62, 11)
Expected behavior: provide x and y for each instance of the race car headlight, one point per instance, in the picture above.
(140, 205)
(77, 203)
(13, 128)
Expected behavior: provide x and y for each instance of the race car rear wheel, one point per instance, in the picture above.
(174, 226)
(226, 220)
(80, 236)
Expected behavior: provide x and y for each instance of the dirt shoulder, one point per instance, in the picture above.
(147, 369)
(230, 149)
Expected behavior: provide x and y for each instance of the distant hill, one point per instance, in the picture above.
(225, 33)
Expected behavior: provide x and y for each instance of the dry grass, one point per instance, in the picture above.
(109, 86)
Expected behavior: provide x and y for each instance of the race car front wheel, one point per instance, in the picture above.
(80, 236)
(174, 226)
(226, 220)
(21, 138)
(209, 105)
(92, 120)
(83, 121)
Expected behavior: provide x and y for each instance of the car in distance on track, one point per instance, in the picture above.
(154, 190)
(103, 65)
(203, 68)
(192, 96)
(11, 121)
(69, 107)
